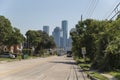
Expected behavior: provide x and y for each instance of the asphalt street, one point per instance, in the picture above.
(50, 68)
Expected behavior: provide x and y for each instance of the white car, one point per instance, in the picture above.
(7, 55)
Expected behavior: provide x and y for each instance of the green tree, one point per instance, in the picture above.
(39, 40)
(102, 42)
(33, 38)
(5, 29)
(9, 35)
(14, 38)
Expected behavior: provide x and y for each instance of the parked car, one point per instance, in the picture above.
(69, 53)
(7, 55)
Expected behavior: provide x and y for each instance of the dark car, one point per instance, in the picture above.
(69, 53)
(7, 55)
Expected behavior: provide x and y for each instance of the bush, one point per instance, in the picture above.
(116, 74)
(27, 51)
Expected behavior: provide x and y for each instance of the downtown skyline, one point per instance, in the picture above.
(32, 15)
(61, 38)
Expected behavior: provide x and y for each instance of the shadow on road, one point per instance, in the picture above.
(63, 62)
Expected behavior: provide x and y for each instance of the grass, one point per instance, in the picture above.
(85, 66)
(6, 59)
(32, 57)
(81, 60)
(116, 74)
(10, 60)
(98, 76)
(45, 55)
(19, 58)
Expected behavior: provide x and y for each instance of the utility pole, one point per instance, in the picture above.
(81, 17)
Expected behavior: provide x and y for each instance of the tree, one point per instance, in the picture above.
(33, 37)
(14, 38)
(39, 40)
(102, 42)
(8, 35)
(5, 29)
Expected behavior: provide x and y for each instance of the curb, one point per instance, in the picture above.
(91, 77)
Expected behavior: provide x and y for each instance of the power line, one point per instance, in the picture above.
(87, 8)
(106, 15)
(91, 7)
(115, 15)
(94, 7)
(115, 10)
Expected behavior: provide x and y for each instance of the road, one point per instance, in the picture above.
(50, 68)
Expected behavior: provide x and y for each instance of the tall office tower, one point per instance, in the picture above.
(61, 39)
(65, 32)
(46, 29)
(56, 35)
(69, 45)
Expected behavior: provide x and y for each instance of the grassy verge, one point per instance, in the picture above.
(45, 55)
(20, 58)
(85, 66)
(116, 74)
(6, 59)
(97, 75)
(32, 57)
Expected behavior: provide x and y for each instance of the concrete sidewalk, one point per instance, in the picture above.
(110, 77)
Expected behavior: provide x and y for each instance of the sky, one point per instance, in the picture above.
(34, 14)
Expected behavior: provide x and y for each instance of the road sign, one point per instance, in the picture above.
(83, 50)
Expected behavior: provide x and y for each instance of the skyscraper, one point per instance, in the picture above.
(46, 29)
(56, 35)
(69, 43)
(65, 32)
(61, 38)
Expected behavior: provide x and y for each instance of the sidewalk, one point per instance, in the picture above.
(110, 77)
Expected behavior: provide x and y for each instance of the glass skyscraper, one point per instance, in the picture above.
(65, 32)
(46, 29)
(56, 35)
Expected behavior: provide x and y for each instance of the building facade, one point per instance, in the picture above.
(69, 43)
(65, 32)
(56, 35)
(61, 39)
(46, 29)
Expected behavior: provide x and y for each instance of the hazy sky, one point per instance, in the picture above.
(34, 14)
